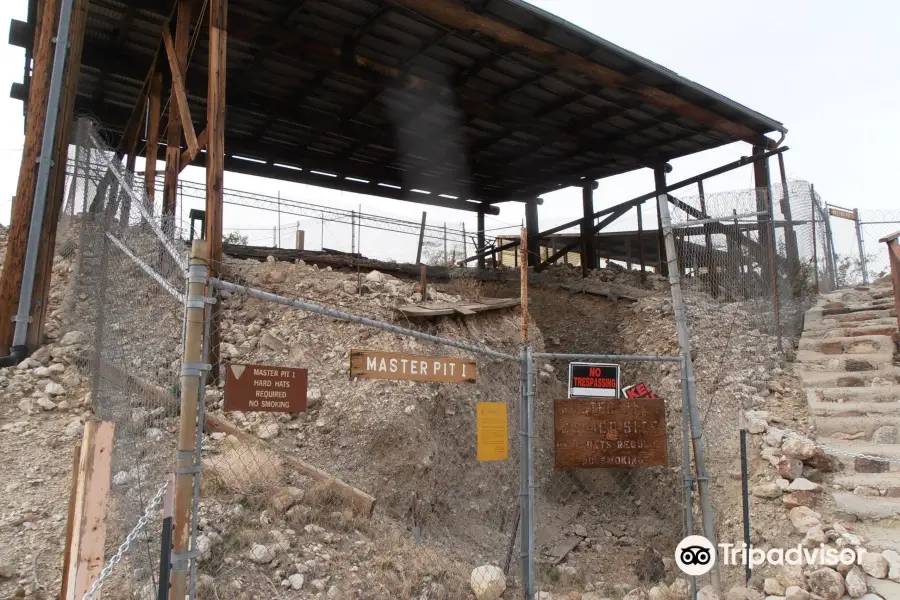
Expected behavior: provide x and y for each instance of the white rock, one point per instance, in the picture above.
(7, 570)
(74, 428)
(73, 337)
(814, 537)
(333, 593)
(42, 372)
(782, 483)
(803, 519)
(855, 582)
(26, 406)
(798, 448)
(28, 363)
(261, 554)
(375, 277)
(875, 565)
(743, 593)
(680, 588)
(753, 426)
(802, 484)
(773, 587)
(766, 490)
(267, 431)
(46, 403)
(543, 596)
(296, 580)
(487, 582)
(708, 592)
(826, 583)
(893, 559)
(797, 593)
(54, 389)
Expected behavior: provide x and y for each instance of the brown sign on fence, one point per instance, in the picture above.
(842, 213)
(369, 364)
(266, 388)
(610, 432)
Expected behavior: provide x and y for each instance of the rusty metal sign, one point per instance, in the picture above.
(265, 388)
(842, 213)
(610, 432)
(370, 364)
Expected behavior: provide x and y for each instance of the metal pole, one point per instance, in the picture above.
(445, 243)
(526, 481)
(684, 342)
(323, 232)
(278, 245)
(812, 221)
(640, 219)
(352, 232)
(23, 312)
(464, 242)
(689, 482)
(859, 243)
(745, 494)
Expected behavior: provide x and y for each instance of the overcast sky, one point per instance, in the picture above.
(827, 69)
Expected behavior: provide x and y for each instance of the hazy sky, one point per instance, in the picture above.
(826, 69)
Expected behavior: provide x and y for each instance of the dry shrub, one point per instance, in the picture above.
(245, 468)
(468, 288)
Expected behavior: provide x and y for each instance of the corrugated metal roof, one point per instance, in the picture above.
(400, 92)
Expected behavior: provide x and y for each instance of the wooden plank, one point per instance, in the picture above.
(462, 310)
(559, 551)
(371, 364)
(20, 219)
(92, 501)
(178, 89)
(610, 433)
(70, 522)
(446, 310)
(173, 130)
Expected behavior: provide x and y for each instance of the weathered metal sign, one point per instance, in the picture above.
(370, 364)
(842, 213)
(265, 388)
(593, 380)
(603, 432)
(639, 390)
(492, 432)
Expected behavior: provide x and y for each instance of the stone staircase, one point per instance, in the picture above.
(848, 364)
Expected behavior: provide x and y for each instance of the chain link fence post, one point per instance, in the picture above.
(526, 475)
(685, 343)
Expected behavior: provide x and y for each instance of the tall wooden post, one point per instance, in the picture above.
(531, 226)
(640, 220)
(215, 154)
(481, 240)
(56, 190)
(173, 132)
(659, 178)
(192, 354)
(763, 206)
(20, 219)
(153, 118)
(790, 236)
(711, 267)
(588, 255)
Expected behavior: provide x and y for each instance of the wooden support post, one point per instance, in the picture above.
(523, 283)
(711, 268)
(421, 239)
(423, 281)
(20, 219)
(153, 118)
(88, 539)
(464, 252)
(215, 155)
(659, 177)
(299, 239)
(481, 240)
(56, 189)
(531, 224)
(763, 193)
(588, 256)
(812, 222)
(192, 354)
(640, 220)
(173, 130)
(790, 236)
(180, 93)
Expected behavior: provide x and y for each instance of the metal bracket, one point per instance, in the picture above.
(185, 454)
(181, 560)
(40, 159)
(188, 470)
(194, 369)
(197, 301)
(20, 319)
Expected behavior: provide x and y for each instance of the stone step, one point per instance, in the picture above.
(851, 363)
(866, 507)
(879, 481)
(846, 379)
(887, 589)
(821, 326)
(878, 536)
(843, 449)
(831, 425)
(861, 344)
(857, 395)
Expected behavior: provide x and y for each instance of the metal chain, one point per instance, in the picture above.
(126, 545)
(830, 450)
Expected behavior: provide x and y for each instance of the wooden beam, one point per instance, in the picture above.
(20, 219)
(56, 191)
(186, 158)
(460, 18)
(153, 118)
(91, 503)
(659, 179)
(173, 131)
(178, 89)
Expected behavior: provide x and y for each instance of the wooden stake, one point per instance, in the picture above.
(20, 220)
(153, 138)
(187, 432)
(523, 248)
(70, 521)
(423, 283)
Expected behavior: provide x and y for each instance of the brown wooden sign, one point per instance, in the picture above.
(265, 388)
(369, 364)
(610, 432)
(842, 213)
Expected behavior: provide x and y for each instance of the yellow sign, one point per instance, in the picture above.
(493, 432)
